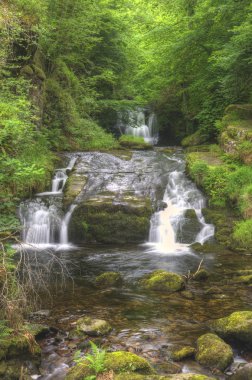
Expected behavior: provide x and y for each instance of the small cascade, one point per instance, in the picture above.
(64, 226)
(136, 123)
(166, 225)
(59, 181)
(42, 219)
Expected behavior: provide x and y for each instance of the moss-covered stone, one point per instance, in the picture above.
(73, 187)
(108, 279)
(244, 279)
(237, 327)
(161, 280)
(131, 142)
(105, 220)
(39, 72)
(92, 327)
(213, 352)
(183, 353)
(181, 376)
(119, 361)
(122, 361)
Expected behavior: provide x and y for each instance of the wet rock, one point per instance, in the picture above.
(106, 220)
(201, 275)
(213, 352)
(74, 185)
(161, 280)
(108, 279)
(183, 353)
(244, 373)
(213, 290)
(190, 227)
(237, 326)
(93, 327)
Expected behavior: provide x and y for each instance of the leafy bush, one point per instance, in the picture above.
(199, 171)
(243, 234)
(215, 184)
(238, 180)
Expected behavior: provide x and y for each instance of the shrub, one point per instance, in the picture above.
(238, 180)
(199, 171)
(215, 184)
(243, 234)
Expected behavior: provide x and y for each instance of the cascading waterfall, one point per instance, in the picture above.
(42, 219)
(136, 123)
(180, 195)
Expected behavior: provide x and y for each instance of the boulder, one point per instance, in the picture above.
(201, 275)
(105, 219)
(108, 279)
(244, 373)
(92, 327)
(237, 327)
(213, 352)
(183, 353)
(162, 280)
(119, 361)
(181, 376)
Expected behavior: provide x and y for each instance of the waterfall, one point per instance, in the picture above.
(64, 226)
(180, 195)
(136, 123)
(42, 219)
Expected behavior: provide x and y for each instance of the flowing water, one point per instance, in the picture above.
(149, 324)
(139, 124)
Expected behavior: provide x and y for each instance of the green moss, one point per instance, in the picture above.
(74, 185)
(244, 279)
(92, 327)
(108, 279)
(183, 353)
(161, 280)
(237, 326)
(132, 142)
(122, 361)
(213, 352)
(182, 376)
(111, 222)
(119, 362)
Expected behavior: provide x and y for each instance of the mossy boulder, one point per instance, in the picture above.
(181, 376)
(104, 219)
(122, 361)
(108, 279)
(27, 71)
(119, 361)
(213, 352)
(132, 142)
(92, 327)
(161, 280)
(237, 327)
(73, 187)
(183, 353)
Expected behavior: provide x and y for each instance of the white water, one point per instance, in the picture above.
(43, 223)
(180, 195)
(135, 123)
(64, 226)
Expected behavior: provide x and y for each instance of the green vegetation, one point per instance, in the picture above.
(132, 142)
(95, 359)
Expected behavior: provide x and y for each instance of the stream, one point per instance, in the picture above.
(149, 324)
